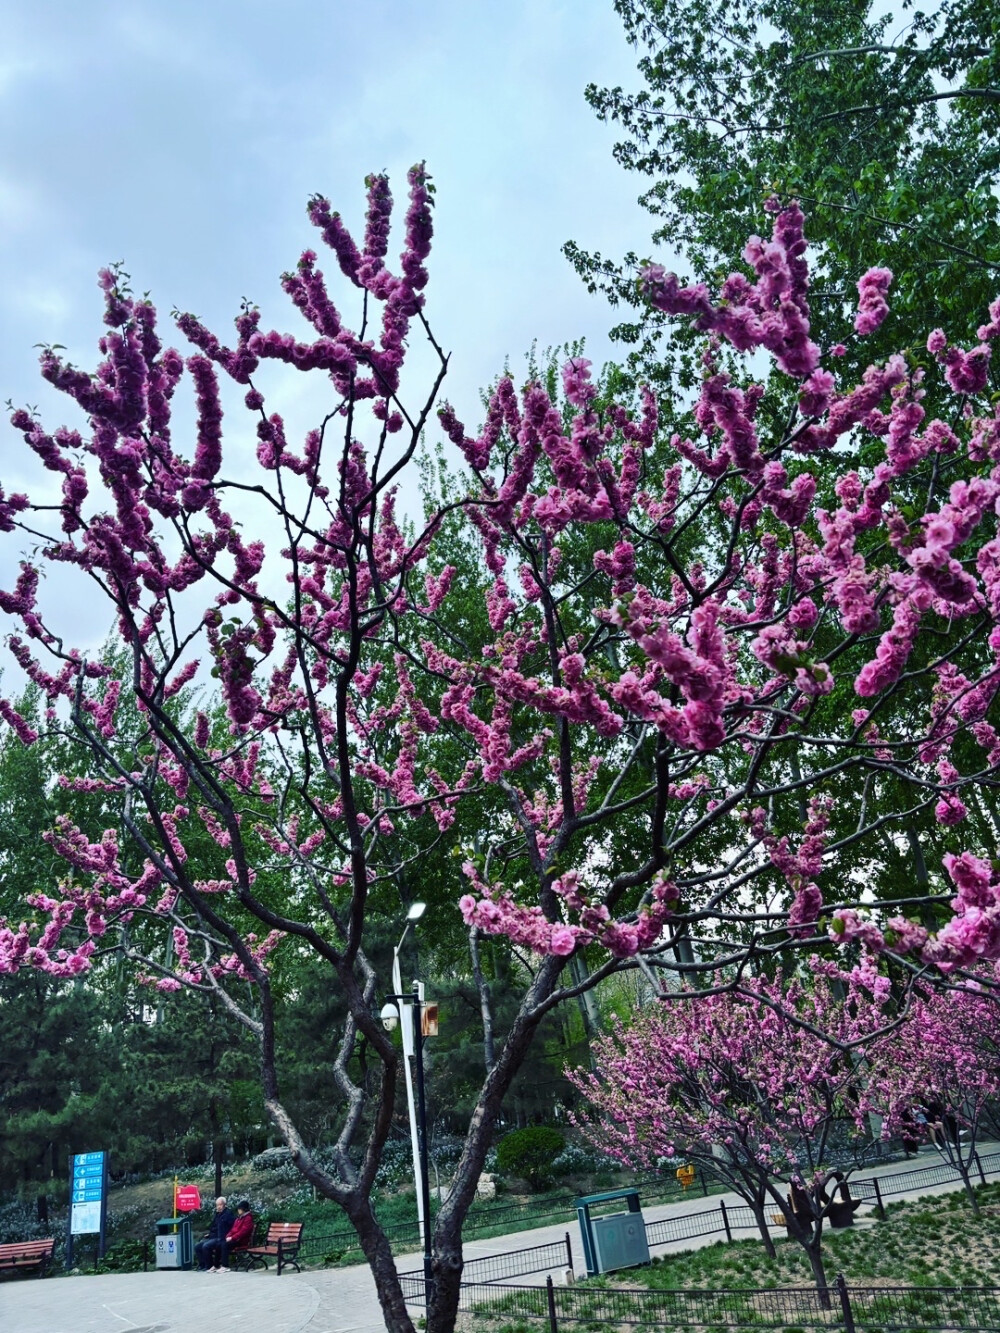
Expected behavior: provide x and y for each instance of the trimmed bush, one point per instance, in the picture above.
(530, 1153)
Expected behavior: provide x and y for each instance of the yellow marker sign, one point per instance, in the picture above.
(685, 1174)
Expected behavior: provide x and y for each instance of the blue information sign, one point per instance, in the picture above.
(87, 1193)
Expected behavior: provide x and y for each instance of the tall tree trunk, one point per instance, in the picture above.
(447, 1259)
(588, 1005)
(378, 1252)
(921, 875)
(760, 1216)
(815, 1252)
(485, 1007)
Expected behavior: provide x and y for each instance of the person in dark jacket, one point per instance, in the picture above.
(239, 1237)
(208, 1251)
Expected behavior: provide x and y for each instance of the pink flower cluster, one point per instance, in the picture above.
(771, 313)
(494, 910)
(742, 1080)
(872, 305)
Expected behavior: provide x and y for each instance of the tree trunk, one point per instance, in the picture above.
(970, 1190)
(485, 1007)
(589, 1011)
(815, 1253)
(807, 1231)
(378, 1252)
(447, 1260)
(760, 1214)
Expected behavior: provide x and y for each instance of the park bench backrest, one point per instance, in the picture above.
(289, 1233)
(26, 1253)
(28, 1248)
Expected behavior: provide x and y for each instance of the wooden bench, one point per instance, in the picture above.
(24, 1254)
(282, 1243)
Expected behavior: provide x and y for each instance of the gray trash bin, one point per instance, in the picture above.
(613, 1241)
(174, 1243)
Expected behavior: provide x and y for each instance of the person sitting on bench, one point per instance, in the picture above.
(207, 1251)
(240, 1234)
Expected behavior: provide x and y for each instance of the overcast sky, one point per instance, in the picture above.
(185, 139)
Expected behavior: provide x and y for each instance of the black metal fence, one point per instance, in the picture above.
(488, 1268)
(721, 1220)
(852, 1309)
(906, 1182)
(655, 1189)
(725, 1219)
(331, 1245)
(905, 1308)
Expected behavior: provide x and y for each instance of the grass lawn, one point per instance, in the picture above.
(932, 1241)
(935, 1241)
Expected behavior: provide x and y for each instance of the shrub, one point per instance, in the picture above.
(396, 1165)
(127, 1256)
(272, 1158)
(530, 1153)
(578, 1159)
(19, 1221)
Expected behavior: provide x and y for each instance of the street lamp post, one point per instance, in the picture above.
(413, 1046)
(409, 1051)
(390, 1017)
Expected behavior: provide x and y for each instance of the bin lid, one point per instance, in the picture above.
(603, 1198)
(173, 1221)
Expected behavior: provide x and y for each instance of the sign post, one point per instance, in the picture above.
(88, 1200)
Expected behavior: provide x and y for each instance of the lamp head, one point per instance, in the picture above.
(416, 911)
(390, 1016)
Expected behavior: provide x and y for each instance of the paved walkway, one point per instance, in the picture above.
(337, 1300)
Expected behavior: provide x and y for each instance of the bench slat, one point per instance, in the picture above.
(24, 1254)
(281, 1242)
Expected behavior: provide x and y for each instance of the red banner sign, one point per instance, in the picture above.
(188, 1199)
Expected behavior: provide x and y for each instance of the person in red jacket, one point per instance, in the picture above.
(240, 1235)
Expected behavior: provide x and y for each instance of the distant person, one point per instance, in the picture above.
(910, 1130)
(239, 1237)
(208, 1251)
(935, 1111)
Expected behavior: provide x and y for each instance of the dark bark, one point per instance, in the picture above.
(806, 1229)
(378, 1252)
(760, 1214)
(815, 1253)
(447, 1239)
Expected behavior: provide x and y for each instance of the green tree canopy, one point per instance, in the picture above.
(886, 127)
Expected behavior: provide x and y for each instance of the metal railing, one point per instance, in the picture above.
(906, 1182)
(899, 1308)
(514, 1216)
(488, 1268)
(852, 1309)
(722, 1220)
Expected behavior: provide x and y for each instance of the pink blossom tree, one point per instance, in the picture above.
(748, 1083)
(702, 662)
(944, 1063)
